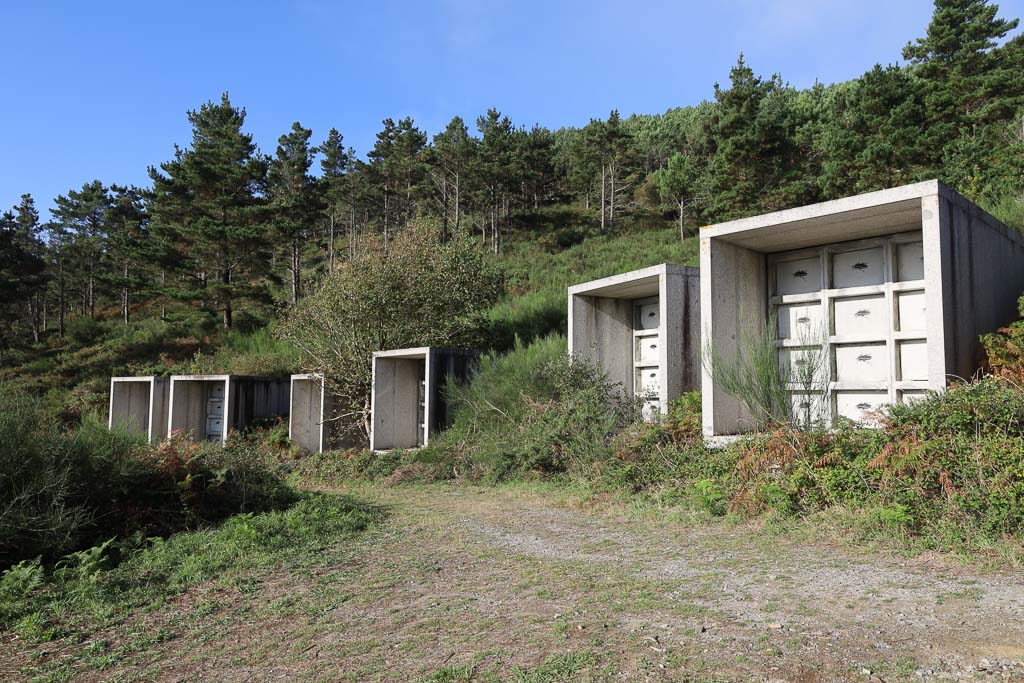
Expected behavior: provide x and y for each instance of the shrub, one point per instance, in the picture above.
(69, 489)
(1005, 348)
(414, 291)
(534, 411)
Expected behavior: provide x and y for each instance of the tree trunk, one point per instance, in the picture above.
(330, 246)
(444, 206)
(494, 228)
(602, 195)
(682, 232)
(62, 302)
(226, 279)
(92, 287)
(163, 296)
(611, 198)
(296, 270)
(352, 233)
(458, 202)
(124, 294)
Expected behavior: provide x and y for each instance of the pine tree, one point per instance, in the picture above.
(207, 197)
(336, 190)
(82, 215)
(129, 246)
(969, 83)
(451, 158)
(29, 236)
(294, 202)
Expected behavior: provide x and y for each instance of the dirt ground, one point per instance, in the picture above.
(464, 583)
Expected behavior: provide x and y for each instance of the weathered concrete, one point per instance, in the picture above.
(605, 329)
(398, 420)
(903, 280)
(310, 417)
(140, 405)
(197, 402)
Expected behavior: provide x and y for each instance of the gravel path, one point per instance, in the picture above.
(462, 583)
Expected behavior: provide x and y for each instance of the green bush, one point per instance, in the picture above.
(532, 411)
(66, 489)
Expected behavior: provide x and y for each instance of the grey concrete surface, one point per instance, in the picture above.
(604, 329)
(396, 413)
(967, 285)
(140, 404)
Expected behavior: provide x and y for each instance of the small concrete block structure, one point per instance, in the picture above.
(140, 405)
(897, 285)
(407, 400)
(309, 417)
(208, 407)
(643, 329)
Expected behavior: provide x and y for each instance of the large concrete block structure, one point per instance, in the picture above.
(900, 283)
(140, 405)
(208, 407)
(643, 328)
(310, 424)
(408, 394)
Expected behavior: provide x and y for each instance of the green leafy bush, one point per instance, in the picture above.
(63, 489)
(533, 411)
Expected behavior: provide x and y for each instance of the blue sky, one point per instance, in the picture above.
(100, 90)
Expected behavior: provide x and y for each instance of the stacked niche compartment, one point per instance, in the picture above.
(646, 342)
(862, 304)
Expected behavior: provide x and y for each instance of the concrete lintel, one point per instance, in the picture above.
(635, 284)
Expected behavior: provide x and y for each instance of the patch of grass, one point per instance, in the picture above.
(557, 668)
(101, 586)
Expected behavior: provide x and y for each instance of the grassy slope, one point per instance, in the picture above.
(548, 251)
(539, 273)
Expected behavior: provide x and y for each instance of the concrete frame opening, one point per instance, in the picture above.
(140, 405)
(901, 283)
(407, 399)
(310, 414)
(642, 328)
(210, 407)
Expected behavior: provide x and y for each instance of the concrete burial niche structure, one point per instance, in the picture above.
(140, 405)
(309, 416)
(643, 328)
(208, 407)
(407, 400)
(899, 283)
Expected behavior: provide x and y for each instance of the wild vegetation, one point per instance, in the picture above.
(235, 261)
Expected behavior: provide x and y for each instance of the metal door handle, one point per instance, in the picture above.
(864, 357)
(860, 266)
(863, 313)
(863, 406)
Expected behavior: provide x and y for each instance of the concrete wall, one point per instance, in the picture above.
(734, 297)
(395, 393)
(447, 367)
(680, 316)
(982, 278)
(305, 416)
(602, 325)
(310, 423)
(602, 334)
(254, 398)
(395, 403)
(140, 405)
